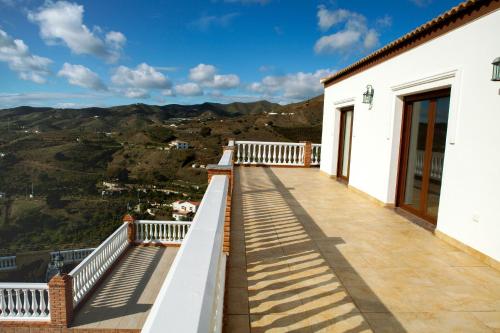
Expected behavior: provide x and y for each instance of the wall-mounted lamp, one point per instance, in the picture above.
(368, 95)
(59, 263)
(496, 70)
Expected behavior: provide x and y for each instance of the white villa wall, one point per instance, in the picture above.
(470, 197)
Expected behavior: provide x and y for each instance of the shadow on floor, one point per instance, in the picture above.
(119, 294)
(290, 267)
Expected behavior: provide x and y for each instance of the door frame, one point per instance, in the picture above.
(432, 96)
(340, 150)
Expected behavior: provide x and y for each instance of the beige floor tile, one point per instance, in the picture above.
(320, 258)
(490, 319)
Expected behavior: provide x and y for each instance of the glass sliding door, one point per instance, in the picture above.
(345, 138)
(425, 123)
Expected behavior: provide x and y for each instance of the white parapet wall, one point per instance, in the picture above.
(190, 299)
(461, 60)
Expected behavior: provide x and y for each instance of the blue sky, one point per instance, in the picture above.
(112, 52)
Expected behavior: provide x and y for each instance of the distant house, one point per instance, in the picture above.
(182, 216)
(2, 195)
(184, 210)
(178, 144)
(185, 206)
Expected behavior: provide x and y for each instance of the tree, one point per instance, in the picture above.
(205, 131)
(120, 173)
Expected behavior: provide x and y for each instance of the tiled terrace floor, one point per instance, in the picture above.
(308, 255)
(124, 298)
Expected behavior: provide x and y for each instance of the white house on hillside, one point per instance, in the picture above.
(415, 125)
(177, 144)
(185, 206)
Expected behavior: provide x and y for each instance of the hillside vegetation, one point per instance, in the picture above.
(62, 156)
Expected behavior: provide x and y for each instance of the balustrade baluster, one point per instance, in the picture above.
(25, 303)
(18, 302)
(10, 302)
(43, 307)
(3, 306)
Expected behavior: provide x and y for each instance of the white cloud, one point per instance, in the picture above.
(62, 21)
(355, 35)
(295, 86)
(79, 75)
(225, 81)
(135, 93)
(47, 98)
(205, 75)
(202, 73)
(116, 39)
(188, 89)
(207, 21)
(327, 18)
(143, 77)
(168, 92)
(371, 39)
(337, 41)
(17, 55)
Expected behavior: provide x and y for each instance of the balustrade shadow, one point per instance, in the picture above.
(125, 296)
(291, 281)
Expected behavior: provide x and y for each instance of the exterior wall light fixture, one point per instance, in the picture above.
(368, 95)
(59, 263)
(496, 70)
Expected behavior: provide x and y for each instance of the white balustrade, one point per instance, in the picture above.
(7, 263)
(24, 302)
(161, 232)
(72, 256)
(315, 153)
(269, 153)
(437, 162)
(91, 269)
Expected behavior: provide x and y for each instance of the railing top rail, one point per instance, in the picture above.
(316, 144)
(227, 158)
(162, 222)
(185, 301)
(273, 143)
(7, 257)
(74, 250)
(23, 285)
(103, 244)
